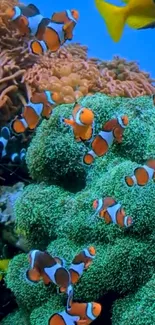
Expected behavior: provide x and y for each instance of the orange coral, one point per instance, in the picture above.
(71, 73)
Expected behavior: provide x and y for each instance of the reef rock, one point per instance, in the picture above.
(8, 196)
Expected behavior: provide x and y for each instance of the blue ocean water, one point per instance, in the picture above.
(91, 31)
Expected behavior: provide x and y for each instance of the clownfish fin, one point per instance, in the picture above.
(37, 47)
(103, 211)
(60, 260)
(129, 181)
(67, 28)
(88, 158)
(69, 122)
(70, 293)
(81, 322)
(67, 25)
(34, 8)
(61, 290)
(5, 133)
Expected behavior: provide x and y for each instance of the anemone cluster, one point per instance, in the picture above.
(54, 213)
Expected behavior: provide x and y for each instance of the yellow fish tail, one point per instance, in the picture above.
(115, 18)
(4, 265)
(137, 22)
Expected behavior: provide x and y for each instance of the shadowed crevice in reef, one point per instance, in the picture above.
(106, 314)
(7, 301)
(72, 182)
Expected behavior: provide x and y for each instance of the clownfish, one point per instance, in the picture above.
(49, 269)
(79, 314)
(142, 175)
(4, 138)
(58, 30)
(82, 122)
(10, 147)
(28, 20)
(80, 263)
(153, 97)
(111, 211)
(112, 130)
(39, 106)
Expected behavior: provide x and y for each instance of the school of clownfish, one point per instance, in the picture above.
(50, 34)
(52, 270)
(47, 34)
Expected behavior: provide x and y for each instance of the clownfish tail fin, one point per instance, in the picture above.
(37, 47)
(129, 181)
(89, 158)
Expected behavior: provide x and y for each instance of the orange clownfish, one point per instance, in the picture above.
(82, 122)
(112, 130)
(57, 32)
(80, 263)
(111, 211)
(39, 106)
(142, 175)
(28, 20)
(79, 314)
(49, 269)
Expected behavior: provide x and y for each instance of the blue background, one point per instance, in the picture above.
(91, 31)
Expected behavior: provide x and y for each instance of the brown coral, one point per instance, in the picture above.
(73, 74)
(69, 72)
(14, 60)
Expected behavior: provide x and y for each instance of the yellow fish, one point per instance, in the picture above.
(137, 14)
(3, 267)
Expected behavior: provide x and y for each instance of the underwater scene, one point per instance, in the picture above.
(77, 162)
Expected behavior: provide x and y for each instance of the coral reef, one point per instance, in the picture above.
(14, 60)
(55, 212)
(7, 201)
(50, 216)
(73, 74)
(70, 72)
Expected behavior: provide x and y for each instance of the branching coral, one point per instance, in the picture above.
(73, 74)
(125, 79)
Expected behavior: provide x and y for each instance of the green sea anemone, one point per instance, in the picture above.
(138, 308)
